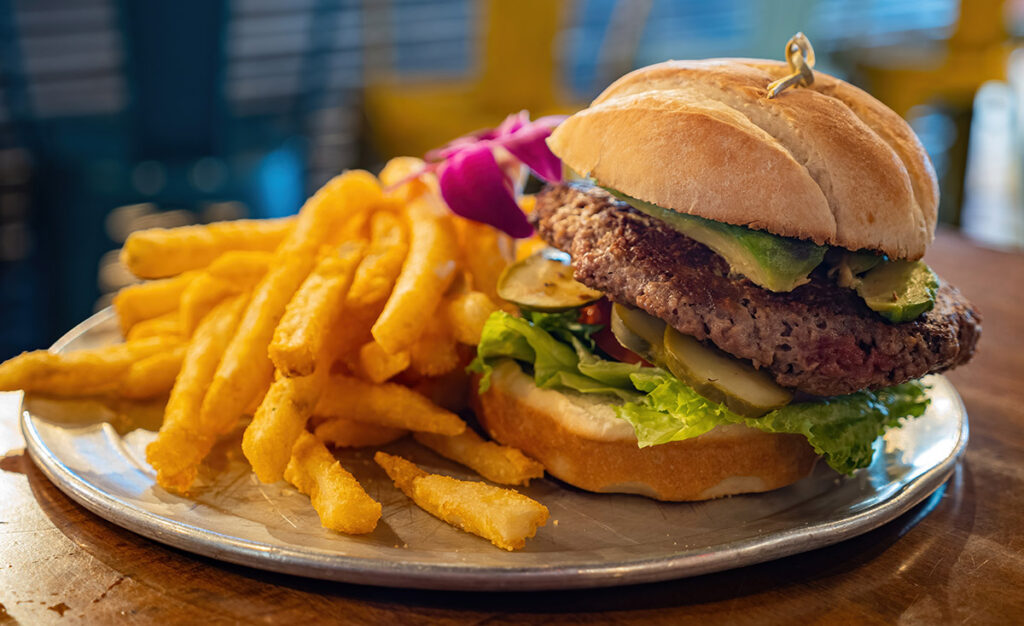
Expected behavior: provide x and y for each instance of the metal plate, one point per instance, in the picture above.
(90, 452)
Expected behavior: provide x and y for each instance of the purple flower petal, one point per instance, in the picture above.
(527, 144)
(512, 123)
(479, 187)
(550, 121)
(452, 147)
(475, 187)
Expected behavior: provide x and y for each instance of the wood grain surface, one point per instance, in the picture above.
(957, 558)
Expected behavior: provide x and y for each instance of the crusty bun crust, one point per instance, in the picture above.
(827, 162)
(725, 461)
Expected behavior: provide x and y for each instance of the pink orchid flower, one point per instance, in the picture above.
(478, 187)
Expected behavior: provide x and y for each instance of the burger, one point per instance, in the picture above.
(733, 287)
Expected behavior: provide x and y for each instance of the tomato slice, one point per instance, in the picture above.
(601, 313)
(598, 313)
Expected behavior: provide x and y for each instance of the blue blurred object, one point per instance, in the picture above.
(118, 115)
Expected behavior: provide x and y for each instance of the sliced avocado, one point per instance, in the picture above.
(722, 378)
(860, 262)
(847, 266)
(770, 261)
(639, 332)
(544, 282)
(899, 291)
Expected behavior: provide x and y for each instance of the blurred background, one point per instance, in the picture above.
(117, 115)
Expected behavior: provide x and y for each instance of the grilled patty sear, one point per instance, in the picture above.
(819, 338)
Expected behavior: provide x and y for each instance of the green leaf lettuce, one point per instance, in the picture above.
(560, 354)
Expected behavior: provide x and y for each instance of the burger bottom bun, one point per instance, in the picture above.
(725, 461)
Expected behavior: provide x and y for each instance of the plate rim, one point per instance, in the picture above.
(315, 563)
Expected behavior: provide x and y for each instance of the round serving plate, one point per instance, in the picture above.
(95, 454)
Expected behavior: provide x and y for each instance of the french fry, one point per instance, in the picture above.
(257, 400)
(450, 390)
(387, 404)
(354, 228)
(496, 463)
(278, 422)
(301, 322)
(504, 517)
(371, 285)
(150, 299)
(185, 438)
(434, 353)
(154, 375)
(80, 373)
(199, 298)
(311, 315)
(396, 171)
(376, 274)
(379, 366)
(343, 433)
(338, 498)
(161, 252)
(467, 313)
(246, 364)
(166, 325)
(486, 252)
(243, 268)
(299, 337)
(426, 274)
(230, 274)
(351, 333)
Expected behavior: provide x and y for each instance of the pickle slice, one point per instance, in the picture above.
(717, 376)
(722, 378)
(638, 332)
(542, 282)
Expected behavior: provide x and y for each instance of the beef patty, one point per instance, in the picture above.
(819, 338)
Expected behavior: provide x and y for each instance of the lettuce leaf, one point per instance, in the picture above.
(555, 364)
(670, 410)
(560, 354)
(842, 429)
(564, 327)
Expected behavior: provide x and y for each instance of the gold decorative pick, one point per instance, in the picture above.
(800, 56)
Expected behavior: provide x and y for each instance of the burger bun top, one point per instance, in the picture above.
(826, 162)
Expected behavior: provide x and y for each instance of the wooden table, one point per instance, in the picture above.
(962, 561)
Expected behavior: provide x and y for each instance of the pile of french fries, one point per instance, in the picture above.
(327, 329)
